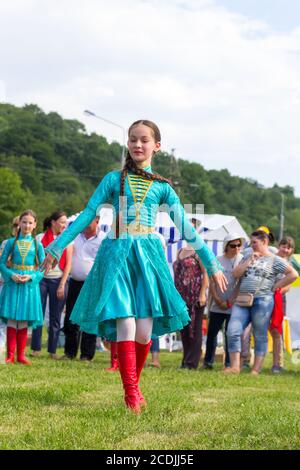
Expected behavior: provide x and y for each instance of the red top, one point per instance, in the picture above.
(46, 240)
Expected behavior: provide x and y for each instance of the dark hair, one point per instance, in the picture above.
(262, 235)
(271, 237)
(32, 214)
(130, 164)
(268, 231)
(54, 216)
(288, 241)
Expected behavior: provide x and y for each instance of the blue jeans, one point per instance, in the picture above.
(56, 306)
(155, 345)
(259, 314)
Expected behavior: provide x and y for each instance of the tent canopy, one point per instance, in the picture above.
(212, 227)
(215, 226)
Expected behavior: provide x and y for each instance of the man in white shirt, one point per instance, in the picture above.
(85, 248)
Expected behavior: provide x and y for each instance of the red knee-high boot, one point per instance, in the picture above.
(113, 357)
(11, 338)
(127, 366)
(142, 351)
(21, 345)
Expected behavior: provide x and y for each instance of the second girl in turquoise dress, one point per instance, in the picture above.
(20, 299)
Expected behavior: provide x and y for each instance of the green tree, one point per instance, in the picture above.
(58, 165)
(26, 168)
(13, 199)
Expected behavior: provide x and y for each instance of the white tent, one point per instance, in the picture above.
(212, 228)
(217, 225)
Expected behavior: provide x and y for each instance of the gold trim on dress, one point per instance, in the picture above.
(139, 188)
(24, 247)
(22, 267)
(135, 228)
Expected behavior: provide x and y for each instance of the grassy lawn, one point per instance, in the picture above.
(75, 405)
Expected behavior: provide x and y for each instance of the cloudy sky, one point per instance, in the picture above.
(220, 77)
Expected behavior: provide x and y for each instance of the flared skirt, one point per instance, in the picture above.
(21, 302)
(140, 286)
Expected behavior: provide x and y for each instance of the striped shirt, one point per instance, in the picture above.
(260, 276)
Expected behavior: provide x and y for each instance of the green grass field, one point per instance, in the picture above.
(75, 405)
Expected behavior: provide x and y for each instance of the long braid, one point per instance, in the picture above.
(122, 189)
(10, 256)
(37, 261)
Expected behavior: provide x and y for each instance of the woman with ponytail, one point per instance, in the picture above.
(129, 293)
(20, 300)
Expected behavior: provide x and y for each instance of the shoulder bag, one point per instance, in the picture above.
(246, 299)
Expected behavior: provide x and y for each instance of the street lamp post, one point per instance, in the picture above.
(281, 217)
(90, 113)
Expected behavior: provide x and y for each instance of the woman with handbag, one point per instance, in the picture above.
(257, 274)
(247, 333)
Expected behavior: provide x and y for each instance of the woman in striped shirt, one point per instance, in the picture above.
(257, 274)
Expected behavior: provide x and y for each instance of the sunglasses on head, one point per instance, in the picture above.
(235, 245)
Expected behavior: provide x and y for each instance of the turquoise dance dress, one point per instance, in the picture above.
(22, 302)
(130, 276)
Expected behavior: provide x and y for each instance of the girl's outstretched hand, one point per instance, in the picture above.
(49, 263)
(220, 280)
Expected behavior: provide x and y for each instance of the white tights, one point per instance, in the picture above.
(129, 329)
(17, 325)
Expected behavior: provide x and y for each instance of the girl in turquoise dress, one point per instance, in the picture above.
(129, 293)
(20, 300)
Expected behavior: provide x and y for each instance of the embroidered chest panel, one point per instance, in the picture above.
(24, 247)
(139, 188)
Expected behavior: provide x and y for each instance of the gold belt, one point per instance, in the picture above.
(135, 228)
(21, 267)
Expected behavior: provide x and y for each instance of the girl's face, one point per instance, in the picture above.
(59, 225)
(285, 251)
(142, 145)
(27, 224)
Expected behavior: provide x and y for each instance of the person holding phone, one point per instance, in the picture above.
(221, 302)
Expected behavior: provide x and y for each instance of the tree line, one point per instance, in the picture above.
(49, 163)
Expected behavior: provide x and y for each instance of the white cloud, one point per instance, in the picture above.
(224, 90)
